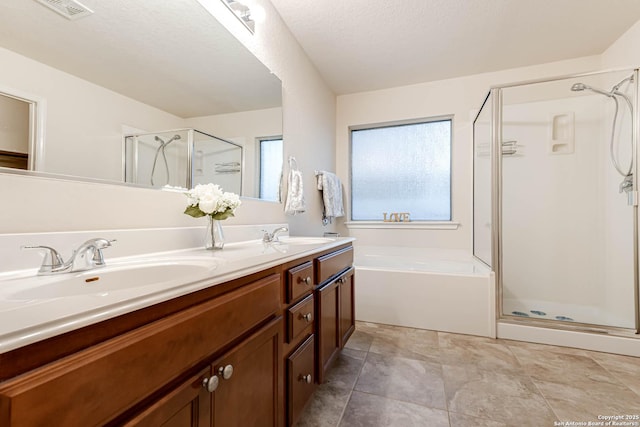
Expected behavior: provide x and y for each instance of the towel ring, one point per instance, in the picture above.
(293, 163)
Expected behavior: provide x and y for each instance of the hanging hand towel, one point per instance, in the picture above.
(331, 188)
(295, 195)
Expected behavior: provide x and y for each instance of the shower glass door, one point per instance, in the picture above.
(482, 201)
(567, 236)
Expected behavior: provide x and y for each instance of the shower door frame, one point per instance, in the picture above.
(495, 95)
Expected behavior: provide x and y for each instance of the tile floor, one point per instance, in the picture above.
(392, 376)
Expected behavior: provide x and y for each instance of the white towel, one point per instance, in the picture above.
(295, 194)
(331, 188)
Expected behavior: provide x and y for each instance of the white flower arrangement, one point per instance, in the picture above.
(209, 199)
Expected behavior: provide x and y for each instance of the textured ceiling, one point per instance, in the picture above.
(173, 54)
(360, 45)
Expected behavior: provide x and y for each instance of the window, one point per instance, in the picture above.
(402, 168)
(270, 168)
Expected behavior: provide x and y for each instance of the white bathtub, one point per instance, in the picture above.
(439, 289)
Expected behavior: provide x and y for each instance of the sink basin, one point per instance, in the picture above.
(112, 278)
(295, 240)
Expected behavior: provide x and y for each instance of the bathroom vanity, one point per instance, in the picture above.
(247, 347)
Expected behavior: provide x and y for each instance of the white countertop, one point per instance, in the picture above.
(25, 320)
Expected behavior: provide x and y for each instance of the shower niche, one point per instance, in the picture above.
(182, 158)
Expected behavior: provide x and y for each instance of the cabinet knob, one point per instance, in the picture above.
(211, 384)
(307, 317)
(341, 279)
(225, 372)
(305, 280)
(305, 378)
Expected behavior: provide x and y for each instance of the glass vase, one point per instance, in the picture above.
(214, 238)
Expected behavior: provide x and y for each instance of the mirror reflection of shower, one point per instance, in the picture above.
(626, 172)
(161, 149)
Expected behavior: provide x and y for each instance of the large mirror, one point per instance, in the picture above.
(72, 88)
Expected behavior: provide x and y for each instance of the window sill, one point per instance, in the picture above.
(411, 225)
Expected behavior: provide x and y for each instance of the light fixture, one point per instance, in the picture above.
(243, 13)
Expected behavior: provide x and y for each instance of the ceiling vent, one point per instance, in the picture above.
(70, 9)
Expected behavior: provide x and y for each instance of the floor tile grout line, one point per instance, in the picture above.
(444, 386)
(353, 386)
(524, 371)
(616, 377)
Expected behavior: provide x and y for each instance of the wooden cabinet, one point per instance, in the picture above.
(250, 381)
(299, 318)
(299, 356)
(300, 377)
(98, 385)
(246, 386)
(248, 352)
(299, 281)
(188, 405)
(328, 310)
(347, 306)
(335, 315)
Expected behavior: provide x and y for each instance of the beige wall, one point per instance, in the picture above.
(32, 204)
(14, 125)
(83, 124)
(624, 52)
(460, 97)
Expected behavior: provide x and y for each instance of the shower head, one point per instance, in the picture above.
(579, 87)
(163, 143)
(173, 138)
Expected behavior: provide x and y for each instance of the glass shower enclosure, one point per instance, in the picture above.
(555, 200)
(182, 158)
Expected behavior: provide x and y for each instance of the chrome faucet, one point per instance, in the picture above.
(88, 256)
(273, 236)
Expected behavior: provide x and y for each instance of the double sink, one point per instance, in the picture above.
(43, 305)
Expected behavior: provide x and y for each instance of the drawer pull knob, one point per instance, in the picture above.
(305, 378)
(225, 372)
(305, 280)
(307, 317)
(211, 384)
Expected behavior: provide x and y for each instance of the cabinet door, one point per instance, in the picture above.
(188, 405)
(250, 381)
(328, 335)
(347, 309)
(301, 384)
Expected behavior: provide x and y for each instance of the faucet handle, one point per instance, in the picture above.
(99, 245)
(52, 259)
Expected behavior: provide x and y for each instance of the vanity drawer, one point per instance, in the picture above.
(108, 378)
(299, 318)
(331, 264)
(301, 381)
(299, 281)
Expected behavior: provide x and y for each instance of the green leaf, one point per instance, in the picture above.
(194, 211)
(223, 215)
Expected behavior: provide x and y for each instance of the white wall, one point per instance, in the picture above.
(32, 204)
(461, 97)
